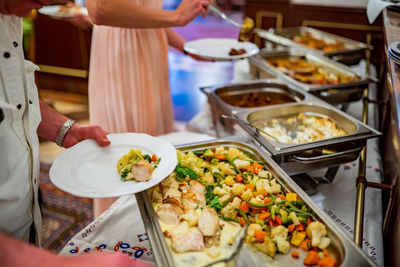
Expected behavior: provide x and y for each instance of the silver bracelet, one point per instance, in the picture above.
(63, 131)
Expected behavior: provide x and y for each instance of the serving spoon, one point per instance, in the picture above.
(246, 29)
(237, 246)
(250, 125)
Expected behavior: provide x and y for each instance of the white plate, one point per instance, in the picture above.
(52, 11)
(218, 48)
(88, 170)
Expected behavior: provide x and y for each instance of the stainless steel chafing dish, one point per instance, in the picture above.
(350, 55)
(342, 247)
(332, 93)
(294, 158)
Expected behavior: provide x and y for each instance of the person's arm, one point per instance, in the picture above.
(17, 253)
(53, 120)
(174, 39)
(128, 14)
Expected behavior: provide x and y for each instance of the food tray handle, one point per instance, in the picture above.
(317, 159)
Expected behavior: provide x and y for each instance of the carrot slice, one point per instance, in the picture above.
(327, 262)
(290, 228)
(260, 235)
(154, 158)
(220, 157)
(264, 215)
(249, 186)
(311, 258)
(295, 254)
(239, 178)
(257, 167)
(244, 207)
(281, 196)
(242, 221)
(304, 245)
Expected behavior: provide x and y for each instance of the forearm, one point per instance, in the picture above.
(128, 14)
(17, 253)
(174, 39)
(51, 122)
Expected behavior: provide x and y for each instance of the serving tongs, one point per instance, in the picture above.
(257, 129)
(236, 248)
(246, 29)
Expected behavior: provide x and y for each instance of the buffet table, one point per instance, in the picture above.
(120, 228)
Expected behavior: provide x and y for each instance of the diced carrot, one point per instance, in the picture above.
(253, 220)
(327, 262)
(239, 178)
(290, 228)
(309, 221)
(250, 169)
(295, 254)
(304, 245)
(325, 252)
(242, 221)
(257, 167)
(281, 196)
(264, 215)
(244, 207)
(220, 157)
(154, 158)
(278, 220)
(260, 235)
(300, 227)
(249, 186)
(267, 200)
(270, 223)
(311, 258)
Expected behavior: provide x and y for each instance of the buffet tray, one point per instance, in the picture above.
(342, 247)
(351, 55)
(332, 93)
(294, 158)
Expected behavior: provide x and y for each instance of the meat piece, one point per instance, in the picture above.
(169, 192)
(192, 199)
(197, 187)
(208, 222)
(141, 170)
(169, 213)
(156, 196)
(185, 238)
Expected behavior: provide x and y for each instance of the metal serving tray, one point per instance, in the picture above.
(351, 55)
(342, 247)
(332, 93)
(298, 158)
(219, 106)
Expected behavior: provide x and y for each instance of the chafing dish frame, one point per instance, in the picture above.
(348, 253)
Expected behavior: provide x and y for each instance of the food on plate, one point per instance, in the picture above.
(137, 166)
(236, 52)
(256, 99)
(214, 192)
(302, 128)
(308, 39)
(69, 9)
(307, 72)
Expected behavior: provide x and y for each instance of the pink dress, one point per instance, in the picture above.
(128, 81)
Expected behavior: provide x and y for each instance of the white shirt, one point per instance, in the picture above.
(19, 144)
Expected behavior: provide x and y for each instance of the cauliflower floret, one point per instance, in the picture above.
(247, 195)
(262, 183)
(324, 243)
(208, 178)
(268, 247)
(275, 188)
(236, 203)
(224, 198)
(234, 152)
(279, 235)
(256, 200)
(265, 174)
(229, 180)
(170, 181)
(238, 189)
(294, 218)
(315, 231)
(220, 191)
(226, 168)
(229, 211)
(191, 217)
(220, 150)
(242, 164)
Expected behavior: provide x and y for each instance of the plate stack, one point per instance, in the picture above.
(394, 52)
